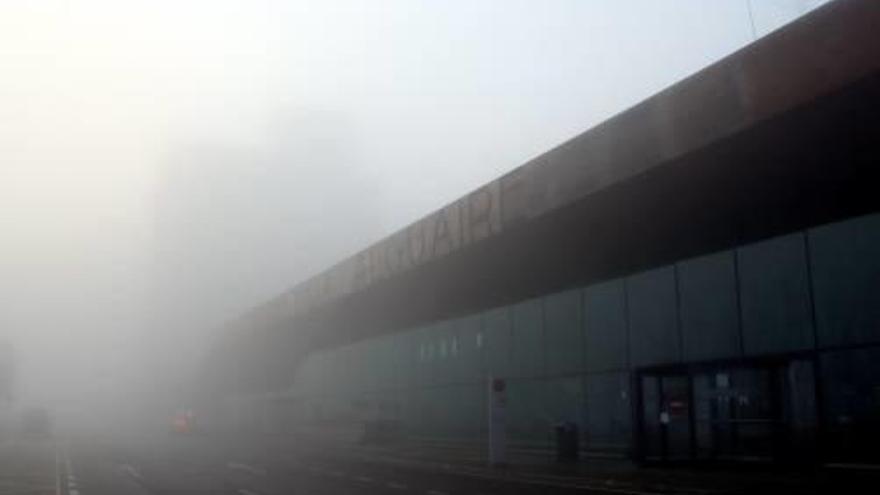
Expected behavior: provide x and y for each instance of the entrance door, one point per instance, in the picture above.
(667, 417)
(751, 411)
(738, 414)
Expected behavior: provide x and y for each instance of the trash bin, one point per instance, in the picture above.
(567, 441)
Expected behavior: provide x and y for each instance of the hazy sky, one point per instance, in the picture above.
(166, 164)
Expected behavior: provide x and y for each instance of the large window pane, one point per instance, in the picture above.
(528, 338)
(708, 305)
(851, 387)
(653, 317)
(605, 326)
(466, 355)
(528, 420)
(564, 333)
(609, 415)
(495, 340)
(846, 281)
(774, 296)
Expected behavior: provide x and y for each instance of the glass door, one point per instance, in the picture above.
(666, 417)
(738, 413)
(746, 411)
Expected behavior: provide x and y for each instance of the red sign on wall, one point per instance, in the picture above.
(677, 407)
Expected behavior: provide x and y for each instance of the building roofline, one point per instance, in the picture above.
(823, 51)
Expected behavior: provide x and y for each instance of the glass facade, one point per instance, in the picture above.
(606, 335)
(775, 296)
(708, 307)
(734, 354)
(653, 317)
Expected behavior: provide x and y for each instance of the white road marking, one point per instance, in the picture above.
(437, 492)
(57, 472)
(244, 491)
(72, 488)
(132, 471)
(395, 485)
(256, 471)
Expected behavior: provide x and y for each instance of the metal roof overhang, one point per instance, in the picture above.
(782, 135)
(813, 165)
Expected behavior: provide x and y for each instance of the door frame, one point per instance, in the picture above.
(662, 373)
(773, 362)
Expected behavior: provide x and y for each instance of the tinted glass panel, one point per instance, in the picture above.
(563, 333)
(851, 383)
(608, 412)
(774, 296)
(605, 326)
(528, 420)
(653, 317)
(708, 305)
(528, 341)
(846, 278)
(565, 401)
(495, 342)
(468, 354)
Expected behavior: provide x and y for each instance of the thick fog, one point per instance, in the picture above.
(166, 165)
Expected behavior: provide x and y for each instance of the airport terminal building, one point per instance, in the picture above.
(697, 278)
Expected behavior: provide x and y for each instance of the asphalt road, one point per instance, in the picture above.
(166, 464)
(27, 466)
